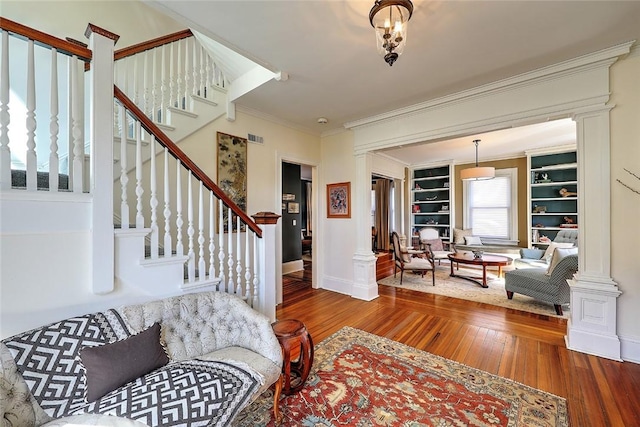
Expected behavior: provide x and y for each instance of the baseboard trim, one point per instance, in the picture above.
(630, 349)
(291, 266)
(336, 284)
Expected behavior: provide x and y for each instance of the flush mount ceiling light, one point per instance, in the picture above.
(390, 18)
(477, 173)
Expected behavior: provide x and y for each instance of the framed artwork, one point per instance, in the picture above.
(339, 200)
(293, 208)
(287, 196)
(232, 172)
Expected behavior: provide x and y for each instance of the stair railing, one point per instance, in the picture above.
(219, 239)
(166, 74)
(52, 139)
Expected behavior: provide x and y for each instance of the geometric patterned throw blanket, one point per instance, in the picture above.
(188, 393)
(47, 357)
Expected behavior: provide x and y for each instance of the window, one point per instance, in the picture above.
(490, 206)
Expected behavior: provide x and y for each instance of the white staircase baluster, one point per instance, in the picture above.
(172, 75)
(77, 121)
(167, 207)
(116, 121)
(221, 245)
(230, 284)
(135, 95)
(5, 118)
(239, 260)
(247, 266)
(188, 75)
(32, 161)
(153, 200)
(155, 87)
(139, 189)
(203, 75)
(212, 245)
(180, 76)
(146, 83)
(202, 267)
(191, 267)
(164, 88)
(256, 280)
(179, 222)
(53, 124)
(124, 178)
(194, 70)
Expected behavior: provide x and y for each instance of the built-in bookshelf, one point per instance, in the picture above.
(553, 194)
(432, 199)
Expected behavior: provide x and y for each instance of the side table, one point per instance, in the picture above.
(290, 333)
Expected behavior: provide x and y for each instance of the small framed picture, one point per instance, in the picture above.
(293, 208)
(339, 200)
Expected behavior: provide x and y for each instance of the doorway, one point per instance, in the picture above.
(299, 206)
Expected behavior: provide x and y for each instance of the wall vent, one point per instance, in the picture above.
(256, 139)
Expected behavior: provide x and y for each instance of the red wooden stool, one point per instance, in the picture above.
(290, 332)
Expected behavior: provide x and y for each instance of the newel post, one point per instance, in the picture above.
(101, 43)
(267, 263)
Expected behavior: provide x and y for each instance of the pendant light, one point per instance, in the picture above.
(390, 19)
(477, 173)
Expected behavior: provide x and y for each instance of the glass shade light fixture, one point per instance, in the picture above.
(390, 18)
(477, 173)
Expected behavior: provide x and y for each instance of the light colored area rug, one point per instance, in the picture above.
(460, 288)
(360, 379)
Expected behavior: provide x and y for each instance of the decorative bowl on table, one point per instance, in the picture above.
(477, 254)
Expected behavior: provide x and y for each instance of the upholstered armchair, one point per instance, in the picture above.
(411, 260)
(542, 284)
(430, 240)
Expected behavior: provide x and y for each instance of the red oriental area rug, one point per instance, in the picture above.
(360, 379)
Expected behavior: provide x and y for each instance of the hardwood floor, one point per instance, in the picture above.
(525, 347)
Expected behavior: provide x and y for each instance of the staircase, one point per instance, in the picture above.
(156, 221)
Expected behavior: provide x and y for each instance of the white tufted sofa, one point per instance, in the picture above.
(210, 326)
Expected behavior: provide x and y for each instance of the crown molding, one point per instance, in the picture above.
(273, 119)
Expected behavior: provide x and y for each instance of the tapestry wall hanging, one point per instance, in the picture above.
(232, 173)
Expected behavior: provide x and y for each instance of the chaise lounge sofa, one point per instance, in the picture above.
(218, 356)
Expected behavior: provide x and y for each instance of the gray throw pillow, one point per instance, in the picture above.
(110, 366)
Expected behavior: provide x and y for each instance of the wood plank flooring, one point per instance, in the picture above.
(528, 348)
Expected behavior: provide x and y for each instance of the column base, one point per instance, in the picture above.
(364, 286)
(592, 326)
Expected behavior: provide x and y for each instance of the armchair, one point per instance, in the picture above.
(411, 260)
(540, 284)
(430, 238)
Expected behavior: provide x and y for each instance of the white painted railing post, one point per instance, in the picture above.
(267, 263)
(101, 42)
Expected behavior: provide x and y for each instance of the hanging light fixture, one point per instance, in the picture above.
(477, 173)
(390, 18)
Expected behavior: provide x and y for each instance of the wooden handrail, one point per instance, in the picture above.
(150, 44)
(45, 39)
(176, 152)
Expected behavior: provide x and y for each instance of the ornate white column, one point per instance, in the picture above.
(365, 286)
(592, 326)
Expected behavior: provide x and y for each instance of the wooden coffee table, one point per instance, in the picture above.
(485, 261)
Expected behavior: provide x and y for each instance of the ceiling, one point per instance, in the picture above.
(328, 50)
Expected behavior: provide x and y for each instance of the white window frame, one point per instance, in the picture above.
(512, 174)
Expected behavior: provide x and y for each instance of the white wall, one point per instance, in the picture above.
(339, 234)
(625, 204)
